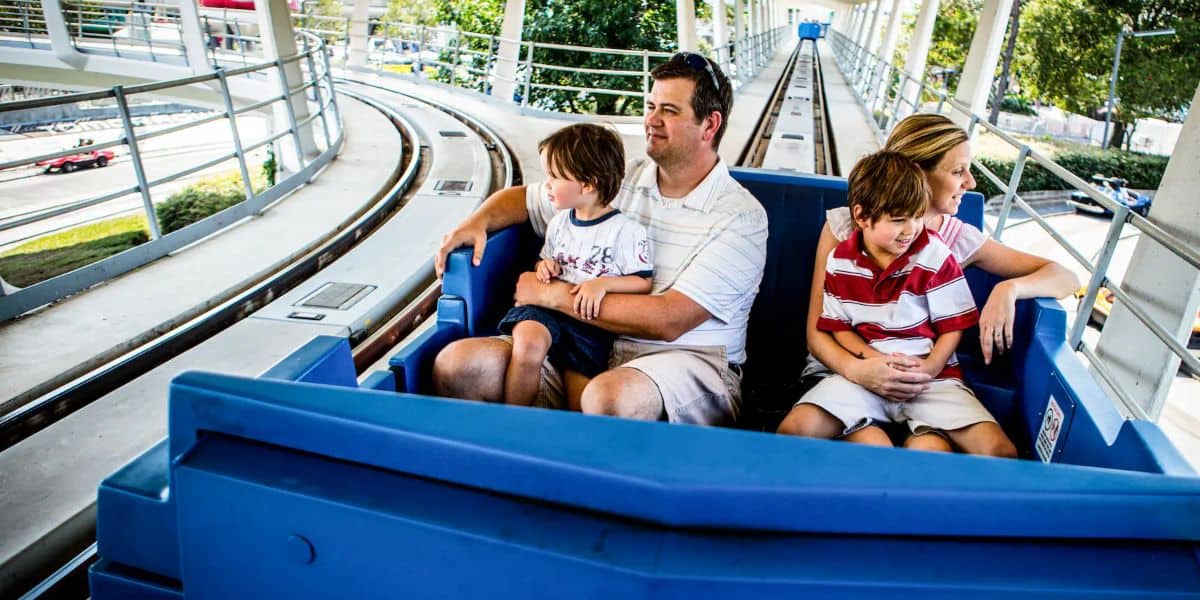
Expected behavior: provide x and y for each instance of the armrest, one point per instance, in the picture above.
(487, 289)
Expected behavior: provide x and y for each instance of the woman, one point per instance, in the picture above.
(942, 151)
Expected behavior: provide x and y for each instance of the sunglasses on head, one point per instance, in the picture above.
(699, 63)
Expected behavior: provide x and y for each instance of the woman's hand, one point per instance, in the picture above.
(996, 321)
(895, 377)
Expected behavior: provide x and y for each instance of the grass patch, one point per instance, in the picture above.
(58, 253)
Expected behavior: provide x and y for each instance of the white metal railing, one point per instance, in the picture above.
(889, 93)
(146, 30)
(23, 19)
(316, 87)
(470, 60)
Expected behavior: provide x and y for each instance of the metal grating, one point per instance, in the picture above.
(453, 185)
(337, 296)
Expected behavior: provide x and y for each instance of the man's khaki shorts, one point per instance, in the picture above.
(697, 383)
(947, 405)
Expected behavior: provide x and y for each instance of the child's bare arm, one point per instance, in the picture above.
(854, 344)
(943, 347)
(589, 293)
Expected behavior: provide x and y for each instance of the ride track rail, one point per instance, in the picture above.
(43, 412)
(756, 149)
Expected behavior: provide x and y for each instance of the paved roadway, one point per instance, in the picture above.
(27, 190)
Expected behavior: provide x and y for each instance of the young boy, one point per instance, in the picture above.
(589, 244)
(894, 288)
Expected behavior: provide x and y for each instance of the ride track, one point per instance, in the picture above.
(403, 310)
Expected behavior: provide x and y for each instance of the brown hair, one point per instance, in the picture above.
(887, 184)
(705, 99)
(587, 153)
(925, 138)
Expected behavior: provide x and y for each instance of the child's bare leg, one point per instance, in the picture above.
(531, 342)
(983, 438)
(574, 382)
(810, 420)
(871, 435)
(929, 442)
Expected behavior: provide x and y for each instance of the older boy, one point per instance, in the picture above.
(894, 288)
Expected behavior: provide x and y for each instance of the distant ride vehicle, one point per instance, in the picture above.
(74, 162)
(241, 4)
(1113, 187)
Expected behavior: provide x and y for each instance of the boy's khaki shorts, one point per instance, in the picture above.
(697, 383)
(947, 405)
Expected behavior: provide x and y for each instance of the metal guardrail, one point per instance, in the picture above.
(889, 93)
(469, 60)
(316, 87)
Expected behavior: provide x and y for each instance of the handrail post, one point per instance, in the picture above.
(528, 76)
(645, 76)
(237, 139)
(316, 88)
(1098, 275)
(457, 58)
(136, 158)
(489, 66)
(291, 112)
(418, 68)
(1014, 183)
(332, 93)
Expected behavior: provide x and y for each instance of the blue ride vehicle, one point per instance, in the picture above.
(304, 482)
(1114, 188)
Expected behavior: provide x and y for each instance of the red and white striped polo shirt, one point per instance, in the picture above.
(904, 307)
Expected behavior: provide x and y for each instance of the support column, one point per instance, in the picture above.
(891, 32)
(193, 38)
(685, 24)
(739, 37)
(60, 37)
(918, 54)
(279, 40)
(359, 33)
(1164, 285)
(755, 29)
(868, 41)
(509, 54)
(720, 34)
(980, 68)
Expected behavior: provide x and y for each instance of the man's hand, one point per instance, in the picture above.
(468, 233)
(548, 269)
(587, 298)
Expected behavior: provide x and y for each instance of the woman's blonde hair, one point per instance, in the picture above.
(925, 138)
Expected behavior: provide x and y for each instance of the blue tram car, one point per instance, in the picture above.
(304, 482)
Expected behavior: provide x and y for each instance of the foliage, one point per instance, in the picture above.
(202, 199)
(1075, 41)
(1144, 171)
(625, 24)
(1017, 105)
(413, 12)
(58, 253)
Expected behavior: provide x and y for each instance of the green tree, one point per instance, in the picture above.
(1074, 42)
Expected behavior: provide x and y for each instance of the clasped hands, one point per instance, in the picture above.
(541, 288)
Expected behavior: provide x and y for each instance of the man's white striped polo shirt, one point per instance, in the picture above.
(710, 246)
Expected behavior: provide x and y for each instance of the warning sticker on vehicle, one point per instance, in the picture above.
(1052, 425)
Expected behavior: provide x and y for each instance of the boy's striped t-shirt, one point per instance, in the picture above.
(902, 308)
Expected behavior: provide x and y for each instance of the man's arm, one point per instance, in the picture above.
(589, 294)
(663, 316)
(501, 209)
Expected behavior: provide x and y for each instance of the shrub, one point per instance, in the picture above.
(1017, 105)
(202, 199)
(1144, 171)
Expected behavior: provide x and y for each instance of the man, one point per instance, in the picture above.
(680, 348)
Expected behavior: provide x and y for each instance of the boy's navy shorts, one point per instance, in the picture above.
(574, 345)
